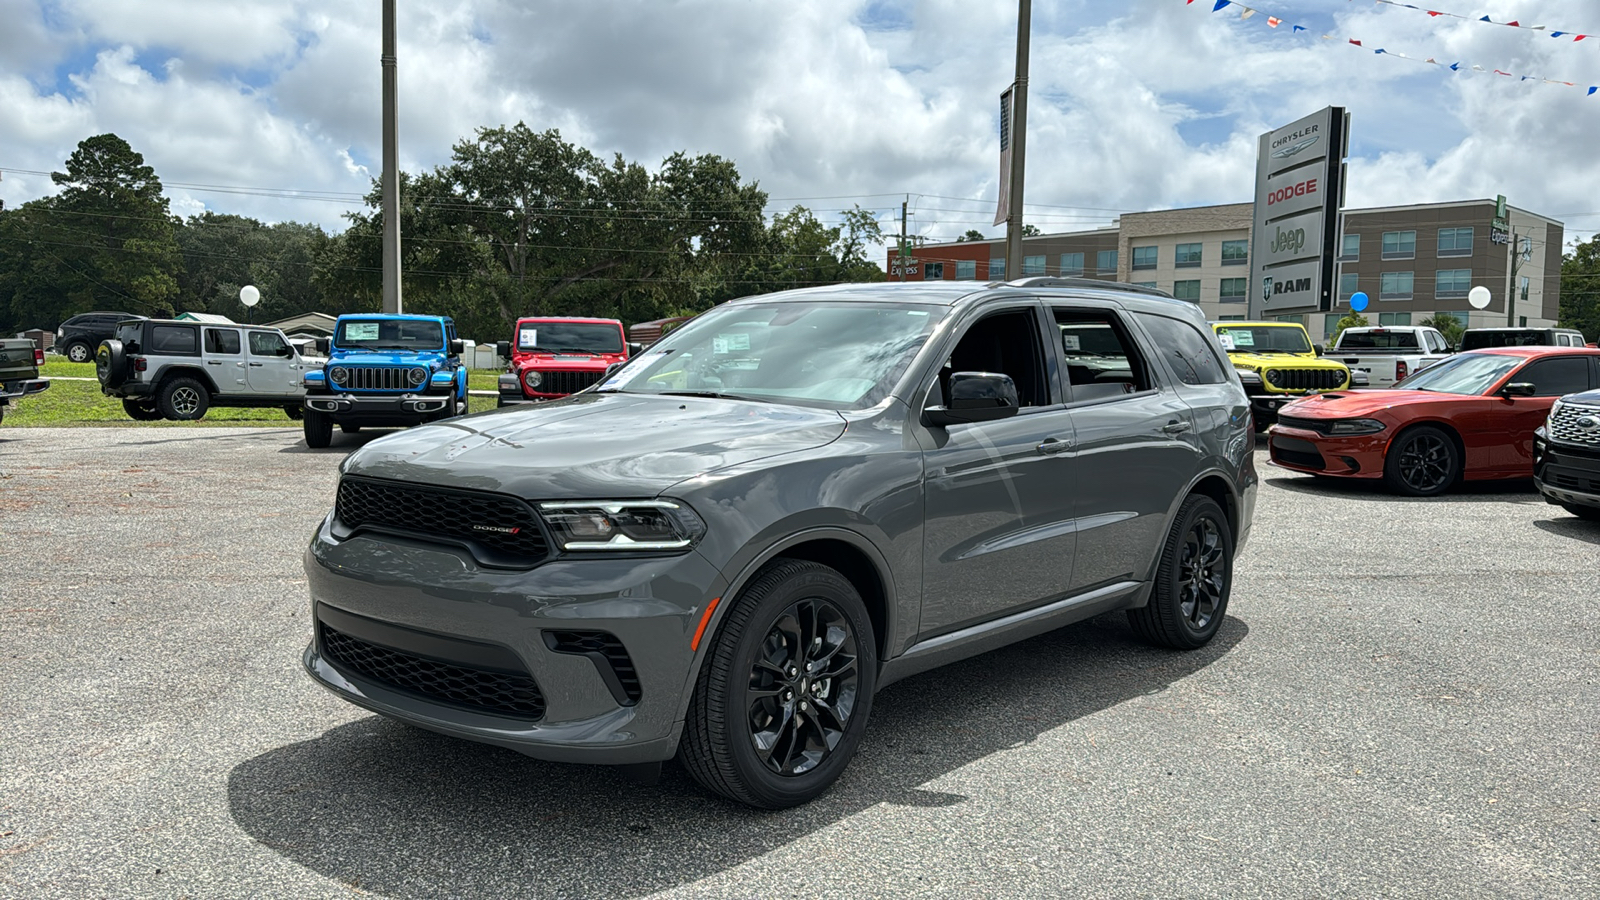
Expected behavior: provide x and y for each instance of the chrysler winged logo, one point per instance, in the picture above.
(1293, 149)
(1589, 424)
(497, 529)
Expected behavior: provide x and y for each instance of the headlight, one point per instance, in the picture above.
(1356, 426)
(417, 376)
(629, 526)
(1249, 376)
(1274, 377)
(532, 379)
(339, 375)
(1554, 408)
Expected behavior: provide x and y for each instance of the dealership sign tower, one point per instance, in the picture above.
(1294, 240)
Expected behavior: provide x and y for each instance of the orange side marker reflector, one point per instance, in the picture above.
(705, 617)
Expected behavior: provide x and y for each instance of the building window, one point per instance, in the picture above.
(1187, 290)
(1230, 318)
(1072, 263)
(966, 269)
(933, 271)
(1348, 282)
(1399, 245)
(1033, 265)
(1350, 249)
(1460, 317)
(1146, 284)
(1188, 256)
(997, 269)
(1144, 258)
(1298, 320)
(1330, 324)
(1106, 261)
(1394, 318)
(1455, 242)
(1522, 287)
(1452, 283)
(1235, 253)
(1395, 286)
(1233, 290)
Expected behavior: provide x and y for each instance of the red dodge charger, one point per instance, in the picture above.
(1470, 417)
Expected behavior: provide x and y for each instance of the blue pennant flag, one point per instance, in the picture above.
(1455, 67)
(1557, 33)
(1592, 90)
(1299, 28)
(1380, 50)
(1485, 19)
(1220, 4)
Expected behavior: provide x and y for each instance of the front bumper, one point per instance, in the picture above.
(512, 391)
(1566, 474)
(435, 600)
(12, 390)
(1303, 450)
(408, 407)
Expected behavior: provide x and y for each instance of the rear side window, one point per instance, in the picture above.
(1102, 360)
(219, 340)
(1556, 377)
(173, 340)
(1190, 353)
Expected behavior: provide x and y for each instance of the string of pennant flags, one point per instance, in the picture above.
(1552, 32)
(1246, 12)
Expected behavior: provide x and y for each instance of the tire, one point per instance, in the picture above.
(1587, 513)
(318, 429)
(111, 363)
(1193, 581)
(1422, 462)
(292, 412)
(140, 411)
(78, 352)
(349, 429)
(769, 632)
(183, 399)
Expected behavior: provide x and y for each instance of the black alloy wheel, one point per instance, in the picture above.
(785, 689)
(1193, 581)
(1422, 462)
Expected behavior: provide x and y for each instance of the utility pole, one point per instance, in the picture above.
(1019, 138)
(1513, 266)
(905, 251)
(391, 169)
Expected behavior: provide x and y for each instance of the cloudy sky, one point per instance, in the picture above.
(270, 108)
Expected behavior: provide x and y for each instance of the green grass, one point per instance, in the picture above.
(60, 368)
(483, 380)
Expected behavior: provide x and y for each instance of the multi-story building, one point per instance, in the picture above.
(1413, 262)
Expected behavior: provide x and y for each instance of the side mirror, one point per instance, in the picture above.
(1319, 348)
(322, 345)
(458, 347)
(976, 397)
(287, 351)
(635, 349)
(1517, 389)
(503, 348)
(610, 369)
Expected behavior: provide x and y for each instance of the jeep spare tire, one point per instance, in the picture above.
(111, 363)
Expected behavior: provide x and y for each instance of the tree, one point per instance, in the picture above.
(1031, 231)
(972, 234)
(1580, 289)
(1351, 320)
(1448, 325)
(222, 253)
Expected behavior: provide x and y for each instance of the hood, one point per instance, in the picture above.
(1281, 361)
(429, 358)
(1587, 398)
(566, 360)
(1355, 404)
(595, 446)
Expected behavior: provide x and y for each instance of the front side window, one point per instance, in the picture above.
(1188, 256)
(1455, 241)
(265, 343)
(388, 334)
(1452, 283)
(1399, 244)
(1072, 263)
(1235, 253)
(1233, 290)
(1187, 290)
(997, 269)
(832, 355)
(174, 340)
(1464, 373)
(224, 341)
(568, 337)
(1555, 377)
(1186, 350)
(1033, 265)
(1395, 285)
(1105, 261)
(1004, 342)
(966, 269)
(1102, 360)
(1144, 258)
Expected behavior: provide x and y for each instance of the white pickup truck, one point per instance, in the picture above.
(1388, 353)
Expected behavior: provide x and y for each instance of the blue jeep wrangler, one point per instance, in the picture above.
(385, 371)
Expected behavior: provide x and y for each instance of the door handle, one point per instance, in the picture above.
(255, 365)
(213, 362)
(1176, 427)
(1052, 446)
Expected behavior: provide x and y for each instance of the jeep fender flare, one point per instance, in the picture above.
(194, 372)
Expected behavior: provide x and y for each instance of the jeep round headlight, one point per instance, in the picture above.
(339, 375)
(532, 379)
(1274, 377)
(629, 526)
(417, 376)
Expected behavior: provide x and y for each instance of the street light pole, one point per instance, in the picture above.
(391, 169)
(1019, 140)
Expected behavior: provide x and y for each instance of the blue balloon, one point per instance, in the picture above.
(1358, 301)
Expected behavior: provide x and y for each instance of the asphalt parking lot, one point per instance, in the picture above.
(1405, 700)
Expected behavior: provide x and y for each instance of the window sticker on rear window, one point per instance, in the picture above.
(529, 337)
(361, 331)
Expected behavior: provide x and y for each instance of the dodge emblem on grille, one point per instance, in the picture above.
(496, 528)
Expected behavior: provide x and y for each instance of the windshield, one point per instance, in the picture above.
(389, 334)
(1466, 373)
(1478, 340)
(569, 336)
(1378, 340)
(836, 355)
(1263, 339)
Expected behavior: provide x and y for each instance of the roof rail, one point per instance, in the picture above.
(1089, 283)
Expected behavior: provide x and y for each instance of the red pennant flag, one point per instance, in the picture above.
(1434, 14)
(1357, 43)
(1579, 38)
(1513, 24)
(1498, 72)
(1274, 21)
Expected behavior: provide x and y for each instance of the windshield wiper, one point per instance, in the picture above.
(715, 395)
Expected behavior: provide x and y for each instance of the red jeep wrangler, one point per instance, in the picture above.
(555, 356)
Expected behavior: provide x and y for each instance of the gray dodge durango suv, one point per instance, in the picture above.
(722, 551)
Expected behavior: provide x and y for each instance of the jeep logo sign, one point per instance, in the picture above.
(1288, 241)
(1295, 227)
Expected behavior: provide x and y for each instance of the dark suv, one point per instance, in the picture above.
(78, 336)
(724, 550)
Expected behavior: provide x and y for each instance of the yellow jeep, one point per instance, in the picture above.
(1277, 363)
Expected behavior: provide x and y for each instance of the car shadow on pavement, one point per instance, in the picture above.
(342, 443)
(1519, 490)
(403, 812)
(1571, 527)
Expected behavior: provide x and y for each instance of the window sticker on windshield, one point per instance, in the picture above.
(736, 341)
(529, 337)
(1226, 339)
(361, 331)
(1243, 338)
(719, 345)
(1070, 342)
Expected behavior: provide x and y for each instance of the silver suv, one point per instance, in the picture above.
(166, 369)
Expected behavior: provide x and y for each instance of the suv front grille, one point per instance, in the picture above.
(1564, 425)
(566, 382)
(382, 378)
(1305, 379)
(458, 684)
(505, 527)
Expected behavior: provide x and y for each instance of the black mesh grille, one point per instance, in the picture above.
(485, 690)
(585, 643)
(1306, 379)
(1572, 480)
(566, 382)
(384, 378)
(1297, 453)
(505, 526)
(1317, 425)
